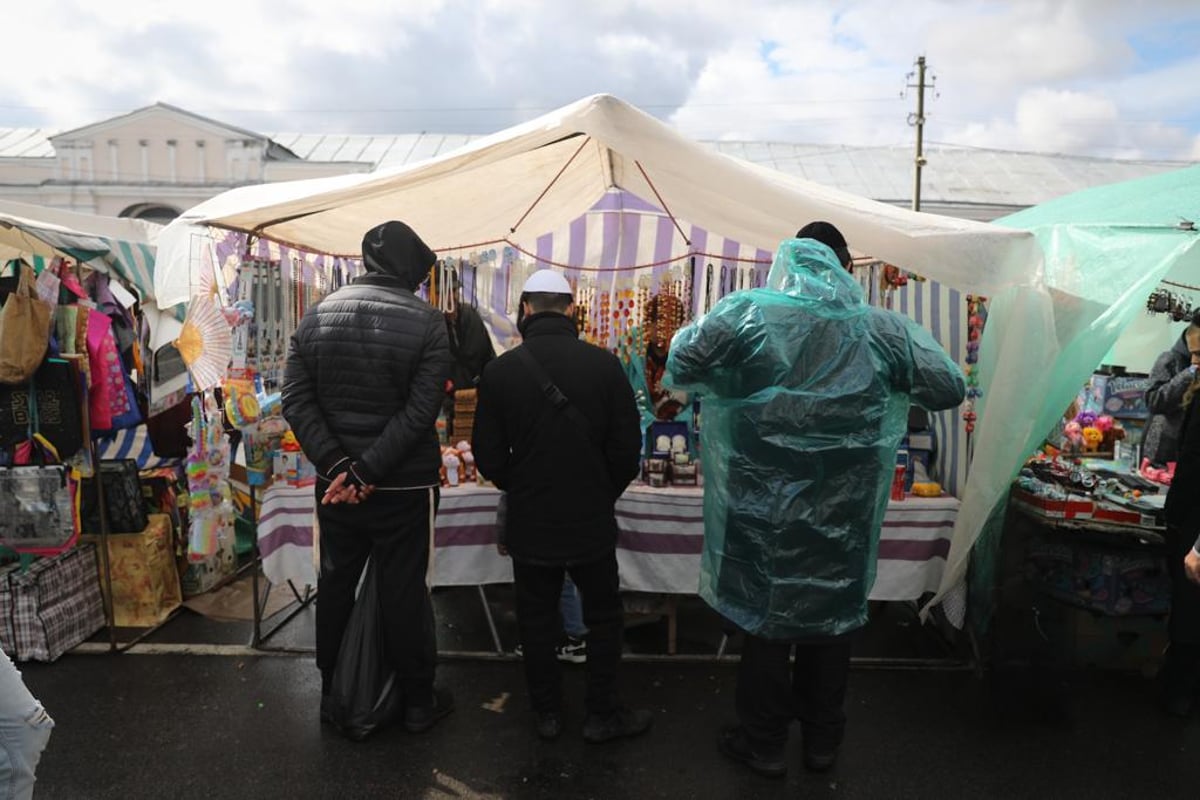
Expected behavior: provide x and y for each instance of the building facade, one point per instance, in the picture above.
(152, 163)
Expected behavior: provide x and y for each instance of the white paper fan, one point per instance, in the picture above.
(206, 343)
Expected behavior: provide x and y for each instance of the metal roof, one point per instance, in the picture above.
(952, 175)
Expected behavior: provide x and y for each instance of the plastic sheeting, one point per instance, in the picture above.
(806, 391)
(1105, 250)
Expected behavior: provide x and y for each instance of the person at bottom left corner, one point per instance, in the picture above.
(24, 732)
(557, 428)
(364, 381)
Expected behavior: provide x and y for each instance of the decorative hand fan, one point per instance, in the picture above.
(206, 343)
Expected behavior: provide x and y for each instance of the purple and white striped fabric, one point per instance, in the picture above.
(658, 550)
(942, 311)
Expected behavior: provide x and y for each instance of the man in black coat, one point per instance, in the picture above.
(365, 379)
(563, 465)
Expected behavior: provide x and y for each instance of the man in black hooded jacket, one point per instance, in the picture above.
(364, 381)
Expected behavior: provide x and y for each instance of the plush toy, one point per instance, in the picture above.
(451, 466)
(1086, 419)
(1072, 437)
(1092, 437)
(468, 461)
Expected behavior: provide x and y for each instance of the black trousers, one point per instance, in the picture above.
(1181, 670)
(538, 588)
(1184, 625)
(768, 699)
(394, 529)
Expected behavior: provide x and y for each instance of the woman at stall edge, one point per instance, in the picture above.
(1181, 669)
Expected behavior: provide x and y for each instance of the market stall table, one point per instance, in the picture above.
(658, 548)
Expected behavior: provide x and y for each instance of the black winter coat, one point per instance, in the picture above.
(470, 346)
(1183, 498)
(562, 481)
(365, 379)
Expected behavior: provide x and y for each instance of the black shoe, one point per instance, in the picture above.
(327, 709)
(734, 744)
(820, 761)
(549, 725)
(1178, 707)
(421, 718)
(620, 723)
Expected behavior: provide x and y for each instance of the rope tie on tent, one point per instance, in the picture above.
(581, 268)
(513, 229)
(662, 203)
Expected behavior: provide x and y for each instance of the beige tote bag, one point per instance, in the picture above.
(24, 330)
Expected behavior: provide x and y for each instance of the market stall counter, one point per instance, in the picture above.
(658, 549)
(1084, 554)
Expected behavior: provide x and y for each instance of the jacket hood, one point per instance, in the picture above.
(395, 249)
(810, 271)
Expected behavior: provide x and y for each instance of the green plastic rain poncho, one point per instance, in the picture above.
(805, 397)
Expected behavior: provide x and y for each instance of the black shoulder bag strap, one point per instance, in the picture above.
(558, 400)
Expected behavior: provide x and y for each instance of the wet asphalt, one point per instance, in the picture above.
(245, 724)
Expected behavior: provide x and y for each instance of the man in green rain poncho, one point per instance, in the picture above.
(806, 391)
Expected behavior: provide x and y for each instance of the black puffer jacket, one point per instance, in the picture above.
(367, 368)
(562, 480)
(1169, 379)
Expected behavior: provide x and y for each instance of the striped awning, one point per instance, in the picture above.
(121, 247)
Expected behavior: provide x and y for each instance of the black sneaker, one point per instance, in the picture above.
(549, 725)
(620, 723)
(418, 719)
(820, 760)
(734, 745)
(573, 651)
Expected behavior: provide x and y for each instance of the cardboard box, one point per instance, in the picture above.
(1120, 643)
(294, 468)
(1104, 580)
(1119, 515)
(1074, 507)
(145, 580)
(1120, 396)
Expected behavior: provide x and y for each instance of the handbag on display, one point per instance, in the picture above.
(39, 511)
(55, 412)
(123, 500)
(24, 330)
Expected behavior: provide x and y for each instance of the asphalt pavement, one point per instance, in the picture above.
(193, 712)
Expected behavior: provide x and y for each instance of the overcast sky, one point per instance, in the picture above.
(1101, 77)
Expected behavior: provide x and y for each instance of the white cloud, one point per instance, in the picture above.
(1089, 76)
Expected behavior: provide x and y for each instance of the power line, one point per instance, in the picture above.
(468, 109)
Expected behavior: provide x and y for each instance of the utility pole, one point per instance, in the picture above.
(918, 120)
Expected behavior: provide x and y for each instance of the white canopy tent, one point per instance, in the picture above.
(536, 177)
